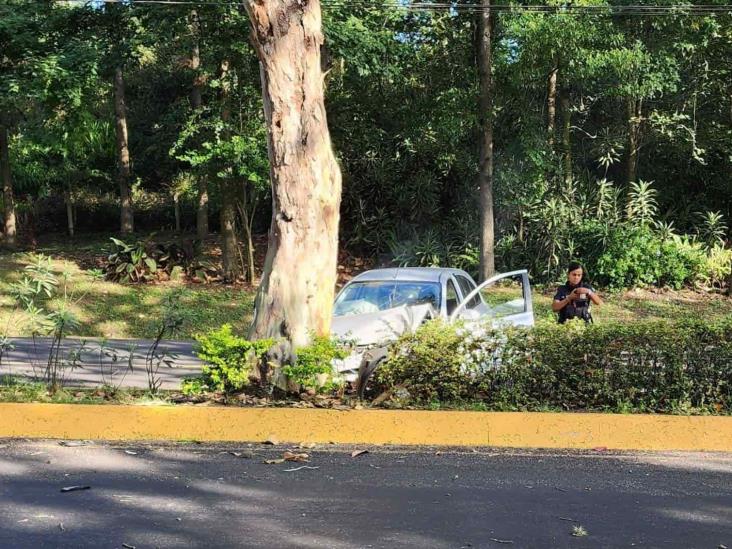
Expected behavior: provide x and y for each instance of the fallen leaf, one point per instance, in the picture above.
(600, 449)
(74, 488)
(503, 541)
(128, 546)
(272, 441)
(301, 467)
(306, 445)
(579, 531)
(130, 452)
(274, 461)
(567, 519)
(300, 458)
(246, 454)
(74, 443)
(357, 453)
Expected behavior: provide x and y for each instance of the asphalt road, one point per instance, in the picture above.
(147, 496)
(101, 364)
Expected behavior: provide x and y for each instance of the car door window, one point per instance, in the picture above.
(451, 297)
(467, 286)
(505, 297)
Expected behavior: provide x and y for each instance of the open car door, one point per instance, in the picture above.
(504, 298)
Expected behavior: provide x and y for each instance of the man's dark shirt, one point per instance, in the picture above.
(574, 309)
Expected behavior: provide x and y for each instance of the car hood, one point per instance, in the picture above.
(381, 326)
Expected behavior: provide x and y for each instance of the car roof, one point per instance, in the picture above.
(412, 274)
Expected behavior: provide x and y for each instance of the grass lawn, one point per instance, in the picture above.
(108, 309)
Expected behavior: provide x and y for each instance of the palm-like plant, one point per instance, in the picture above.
(642, 206)
(713, 229)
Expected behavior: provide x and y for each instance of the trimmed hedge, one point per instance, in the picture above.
(681, 367)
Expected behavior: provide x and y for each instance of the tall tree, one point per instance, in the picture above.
(7, 183)
(196, 102)
(485, 175)
(127, 224)
(296, 294)
(228, 185)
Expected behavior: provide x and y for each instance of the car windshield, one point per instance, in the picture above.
(371, 297)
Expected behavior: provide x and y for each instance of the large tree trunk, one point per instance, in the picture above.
(229, 241)
(566, 139)
(485, 175)
(7, 181)
(123, 154)
(196, 101)
(296, 294)
(551, 105)
(634, 109)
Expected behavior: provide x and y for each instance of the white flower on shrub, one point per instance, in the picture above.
(482, 349)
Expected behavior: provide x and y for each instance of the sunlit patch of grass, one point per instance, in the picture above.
(108, 309)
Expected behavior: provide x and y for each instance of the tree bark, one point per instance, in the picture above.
(295, 297)
(485, 174)
(566, 139)
(202, 209)
(551, 105)
(196, 89)
(229, 241)
(634, 109)
(7, 181)
(247, 218)
(176, 209)
(123, 154)
(196, 102)
(68, 199)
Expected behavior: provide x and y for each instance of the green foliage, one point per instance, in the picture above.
(130, 262)
(682, 367)
(229, 359)
(638, 257)
(313, 368)
(428, 363)
(145, 261)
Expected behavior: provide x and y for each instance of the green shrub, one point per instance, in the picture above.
(229, 359)
(313, 368)
(636, 256)
(428, 364)
(645, 367)
(716, 267)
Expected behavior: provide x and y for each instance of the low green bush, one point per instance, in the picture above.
(229, 360)
(313, 368)
(636, 256)
(681, 367)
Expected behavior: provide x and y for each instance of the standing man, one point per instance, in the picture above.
(573, 299)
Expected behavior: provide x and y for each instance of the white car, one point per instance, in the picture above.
(378, 306)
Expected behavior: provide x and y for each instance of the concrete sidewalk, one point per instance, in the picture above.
(102, 361)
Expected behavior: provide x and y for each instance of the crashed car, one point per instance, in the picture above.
(378, 306)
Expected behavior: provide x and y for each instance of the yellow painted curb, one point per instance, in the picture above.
(509, 429)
